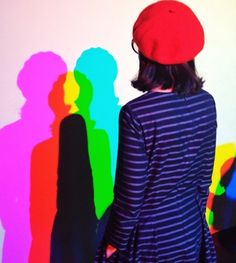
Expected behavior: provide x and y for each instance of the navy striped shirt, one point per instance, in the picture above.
(164, 167)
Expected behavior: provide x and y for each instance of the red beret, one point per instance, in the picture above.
(168, 32)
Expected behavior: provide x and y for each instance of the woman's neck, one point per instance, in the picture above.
(160, 89)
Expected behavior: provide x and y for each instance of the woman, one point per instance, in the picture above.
(166, 148)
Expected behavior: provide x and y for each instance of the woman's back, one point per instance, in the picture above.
(164, 167)
(179, 139)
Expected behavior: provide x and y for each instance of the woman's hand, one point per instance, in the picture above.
(110, 250)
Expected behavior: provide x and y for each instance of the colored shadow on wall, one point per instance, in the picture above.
(99, 154)
(29, 151)
(100, 67)
(99, 150)
(2, 234)
(85, 185)
(17, 140)
(44, 162)
(71, 92)
(74, 229)
(98, 106)
(221, 205)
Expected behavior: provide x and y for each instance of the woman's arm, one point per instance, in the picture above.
(130, 181)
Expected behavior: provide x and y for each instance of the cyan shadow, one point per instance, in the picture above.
(100, 67)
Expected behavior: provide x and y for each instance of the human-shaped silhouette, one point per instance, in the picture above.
(101, 116)
(100, 67)
(99, 153)
(17, 141)
(74, 230)
(44, 179)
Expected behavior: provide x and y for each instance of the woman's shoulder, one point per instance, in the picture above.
(149, 100)
(205, 95)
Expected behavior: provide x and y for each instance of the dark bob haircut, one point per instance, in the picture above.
(181, 77)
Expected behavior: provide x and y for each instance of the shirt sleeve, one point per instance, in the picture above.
(206, 178)
(130, 183)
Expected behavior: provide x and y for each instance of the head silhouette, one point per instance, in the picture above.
(98, 65)
(71, 92)
(38, 75)
(100, 68)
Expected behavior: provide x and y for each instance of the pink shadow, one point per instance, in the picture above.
(17, 141)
